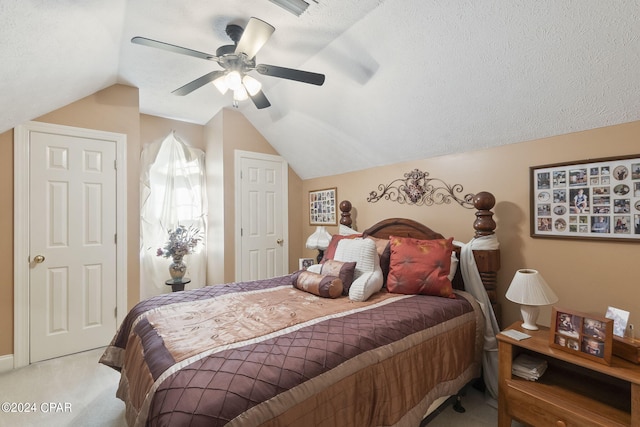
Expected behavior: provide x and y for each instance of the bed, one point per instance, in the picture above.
(273, 353)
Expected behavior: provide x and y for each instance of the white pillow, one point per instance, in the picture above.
(367, 278)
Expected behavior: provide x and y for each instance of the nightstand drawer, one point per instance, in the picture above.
(530, 404)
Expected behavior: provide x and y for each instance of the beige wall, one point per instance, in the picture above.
(587, 276)
(6, 243)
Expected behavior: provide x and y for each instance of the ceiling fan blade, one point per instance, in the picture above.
(260, 100)
(291, 74)
(198, 83)
(173, 48)
(255, 35)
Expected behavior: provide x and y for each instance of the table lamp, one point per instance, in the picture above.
(529, 289)
(319, 240)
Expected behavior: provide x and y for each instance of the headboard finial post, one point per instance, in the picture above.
(345, 216)
(484, 223)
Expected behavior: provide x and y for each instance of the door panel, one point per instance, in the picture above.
(57, 297)
(73, 226)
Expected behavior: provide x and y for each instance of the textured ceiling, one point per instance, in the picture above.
(404, 79)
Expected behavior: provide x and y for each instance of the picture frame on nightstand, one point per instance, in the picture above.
(304, 263)
(582, 334)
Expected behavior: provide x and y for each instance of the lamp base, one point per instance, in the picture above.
(529, 316)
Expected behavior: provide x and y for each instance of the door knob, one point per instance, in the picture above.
(279, 241)
(38, 259)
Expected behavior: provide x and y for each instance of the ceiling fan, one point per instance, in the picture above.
(237, 60)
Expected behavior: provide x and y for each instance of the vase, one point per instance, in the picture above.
(177, 269)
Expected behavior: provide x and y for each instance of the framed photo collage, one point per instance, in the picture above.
(323, 207)
(594, 199)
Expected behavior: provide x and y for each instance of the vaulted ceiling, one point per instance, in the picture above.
(405, 79)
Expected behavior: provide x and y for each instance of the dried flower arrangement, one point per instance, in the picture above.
(182, 241)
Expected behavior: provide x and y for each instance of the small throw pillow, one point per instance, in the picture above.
(420, 267)
(342, 270)
(317, 284)
(367, 279)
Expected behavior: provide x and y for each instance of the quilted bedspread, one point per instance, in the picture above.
(266, 354)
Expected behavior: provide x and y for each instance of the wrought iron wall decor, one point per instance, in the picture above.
(416, 188)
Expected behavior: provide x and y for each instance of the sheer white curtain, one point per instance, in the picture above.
(172, 193)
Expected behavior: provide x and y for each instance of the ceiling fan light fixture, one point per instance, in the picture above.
(221, 84)
(297, 7)
(240, 94)
(252, 85)
(233, 80)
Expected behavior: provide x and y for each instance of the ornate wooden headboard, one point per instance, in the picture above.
(488, 261)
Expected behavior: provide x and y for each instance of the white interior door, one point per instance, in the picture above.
(262, 250)
(72, 278)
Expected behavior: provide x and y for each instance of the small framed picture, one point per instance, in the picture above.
(322, 207)
(582, 334)
(304, 263)
(620, 319)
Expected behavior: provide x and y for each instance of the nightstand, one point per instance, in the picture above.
(574, 391)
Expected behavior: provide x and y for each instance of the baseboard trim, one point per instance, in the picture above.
(6, 363)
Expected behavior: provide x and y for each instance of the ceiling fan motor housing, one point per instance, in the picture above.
(225, 50)
(230, 60)
(234, 32)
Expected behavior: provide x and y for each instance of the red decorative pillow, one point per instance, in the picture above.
(343, 270)
(420, 266)
(331, 249)
(317, 284)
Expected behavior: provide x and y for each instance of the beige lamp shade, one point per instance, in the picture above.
(529, 289)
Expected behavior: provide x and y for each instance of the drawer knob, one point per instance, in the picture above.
(561, 423)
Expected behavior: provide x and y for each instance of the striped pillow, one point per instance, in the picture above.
(317, 284)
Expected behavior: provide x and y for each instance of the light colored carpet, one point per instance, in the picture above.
(77, 391)
(477, 413)
(73, 391)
